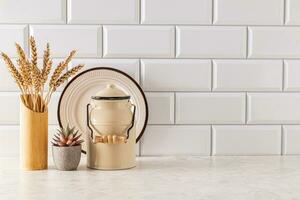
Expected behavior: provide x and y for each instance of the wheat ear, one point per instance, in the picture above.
(63, 78)
(47, 65)
(24, 65)
(36, 74)
(14, 72)
(33, 51)
(61, 66)
(67, 75)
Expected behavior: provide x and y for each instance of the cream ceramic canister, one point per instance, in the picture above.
(110, 120)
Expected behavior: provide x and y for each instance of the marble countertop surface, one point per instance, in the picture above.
(164, 178)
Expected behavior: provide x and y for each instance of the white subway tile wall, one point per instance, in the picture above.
(246, 140)
(138, 41)
(176, 11)
(291, 138)
(103, 12)
(274, 42)
(176, 140)
(185, 75)
(210, 108)
(292, 12)
(222, 77)
(250, 12)
(211, 42)
(161, 107)
(85, 39)
(291, 75)
(253, 75)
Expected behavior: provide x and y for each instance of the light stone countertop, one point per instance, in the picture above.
(163, 178)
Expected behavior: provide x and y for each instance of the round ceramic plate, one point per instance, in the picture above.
(77, 94)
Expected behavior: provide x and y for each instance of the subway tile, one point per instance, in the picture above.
(10, 138)
(291, 75)
(9, 106)
(250, 12)
(247, 75)
(11, 34)
(103, 11)
(292, 12)
(138, 41)
(64, 38)
(33, 11)
(161, 107)
(273, 108)
(210, 108)
(246, 140)
(291, 138)
(176, 11)
(9, 143)
(211, 42)
(176, 140)
(176, 75)
(274, 42)
(129, 66)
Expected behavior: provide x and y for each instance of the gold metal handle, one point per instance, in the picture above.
(108, 139)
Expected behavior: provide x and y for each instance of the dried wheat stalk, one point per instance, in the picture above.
(61, 66)
(31, 79)
(24, 66)
(67, 75)
(33, 52)
(63, 78)
(13, 70)
(47, 64)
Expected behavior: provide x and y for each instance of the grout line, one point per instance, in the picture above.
(163, 25)
(140, 11)
(226, 91)
(140, 148)
(175, 111)
(246, 108)
(140, 74)
(27, 39)
(187, 124)
(212, 11)
(170, 58)
(284, 12)
(211, 140)
(175, 42)
(200, 92)
(225, 124)
(66, 20)
(283, 76)
(247, 42)
(212, 68)
(282, 141)
(102, 42)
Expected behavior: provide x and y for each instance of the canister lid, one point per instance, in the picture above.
(111, 92)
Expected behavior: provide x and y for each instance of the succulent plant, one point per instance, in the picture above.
(66, 137)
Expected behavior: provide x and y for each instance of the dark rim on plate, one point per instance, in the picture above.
(115, 70)
(110, 98)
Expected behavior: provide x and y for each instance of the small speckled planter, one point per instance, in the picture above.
(66, 158)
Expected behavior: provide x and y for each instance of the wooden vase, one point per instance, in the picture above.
(33, 139)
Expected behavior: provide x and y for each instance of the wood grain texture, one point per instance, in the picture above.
(33, 139)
